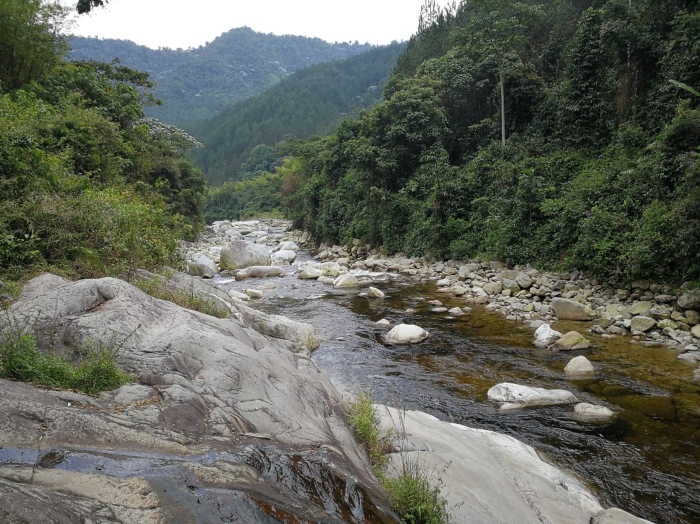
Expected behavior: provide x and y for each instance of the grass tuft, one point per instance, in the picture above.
(158, 288)
(21, 360)
(414, 494)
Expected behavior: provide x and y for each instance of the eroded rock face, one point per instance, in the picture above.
(210, 388)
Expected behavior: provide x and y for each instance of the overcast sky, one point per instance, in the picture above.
(191, 23)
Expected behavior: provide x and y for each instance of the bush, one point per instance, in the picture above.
(158, 288)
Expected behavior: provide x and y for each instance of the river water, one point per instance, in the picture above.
(646, 461)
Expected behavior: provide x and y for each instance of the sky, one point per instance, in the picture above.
(191, 23)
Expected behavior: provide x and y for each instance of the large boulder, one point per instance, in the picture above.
(346, 280)
(515, 396)
(309, 273)
(259, 272)
(690, 300)
(285, 256)
(642, 324)
(219, 410)
(566, 309)
(240, 254)
(406, 334)
(487, 477)
(287, 245)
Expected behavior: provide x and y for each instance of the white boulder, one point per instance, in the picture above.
(406, 334)
(515, 396)
(545, 335)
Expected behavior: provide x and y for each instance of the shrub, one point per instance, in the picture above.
(158, 288)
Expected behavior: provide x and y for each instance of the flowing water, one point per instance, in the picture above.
(646, 461)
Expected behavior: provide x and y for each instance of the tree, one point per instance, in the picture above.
(85, 6)
(30, 41)
(501, 28)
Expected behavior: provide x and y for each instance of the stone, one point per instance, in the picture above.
(511, 285)
(591, 412)
(692, 357)
(489, 478)
(456, 312)
(406, 334)
(240, 254)
(566, 309)
(545, 335)
(202, 267)
(254, 293)
(237, 295)
(288, 245)
(439, 310)
(573, 340)
(284, 255)
(496, 266)
(493, 288)
(259, 272)
(690, 300)
(640, 308)
(345, 281)
(695, 331)
(524, 280)
(579, 366)
(443, 282)
(373, 292)
(692, 317)
(643, 324)
(383, 322)
(696, 376)
(516, 396)
(667, 323)
(310, 273)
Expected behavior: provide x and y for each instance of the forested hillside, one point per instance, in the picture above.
(309, 102)
(88, 186)
(195, 84)
(553, 133)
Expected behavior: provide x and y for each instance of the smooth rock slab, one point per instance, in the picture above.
(617, 516)
(489, 478)
(406, 334)
(515, 396)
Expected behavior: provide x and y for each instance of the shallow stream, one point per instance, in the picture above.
(646, 461)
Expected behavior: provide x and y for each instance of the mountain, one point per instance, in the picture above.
(309, 102)
(195, 84)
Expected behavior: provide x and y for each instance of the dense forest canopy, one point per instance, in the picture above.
(195, 84)
(88, 185)
(309, 102)
(533, 132)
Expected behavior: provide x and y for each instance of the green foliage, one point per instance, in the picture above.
(600, 168)
(159, 288)
(196, 84)
(96, 370)
(259, 197)
(416, 496)
(414, 493)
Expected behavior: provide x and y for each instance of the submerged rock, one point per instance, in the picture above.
(515, 396)
(579, 367)
(571, 341)
(406, 334)
(373, 292)
(585, 411)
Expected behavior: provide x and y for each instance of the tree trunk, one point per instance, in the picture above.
(503, 110)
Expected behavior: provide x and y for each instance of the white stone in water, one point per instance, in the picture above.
(373, 292)
(439, 310)
(310, 273)
(383, 322)
(579, 366)
(515, 396)
(444, 282)
(346, 280)
(545, 335)
(406, 334)
(254, 293)
(456, 312)
(585, 411)
(238, 295)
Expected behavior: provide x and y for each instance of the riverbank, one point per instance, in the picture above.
(328, 270)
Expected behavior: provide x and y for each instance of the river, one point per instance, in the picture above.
(646, 461)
